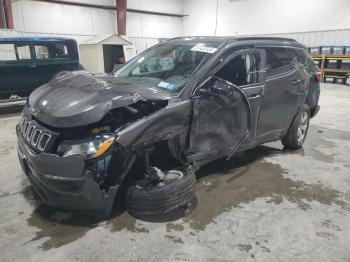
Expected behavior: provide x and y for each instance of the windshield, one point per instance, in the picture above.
(167, 66)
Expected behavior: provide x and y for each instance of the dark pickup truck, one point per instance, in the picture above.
(27, 63)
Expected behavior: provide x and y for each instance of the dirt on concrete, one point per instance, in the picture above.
(266, 204)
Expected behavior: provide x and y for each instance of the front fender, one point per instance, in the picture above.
(165, 124)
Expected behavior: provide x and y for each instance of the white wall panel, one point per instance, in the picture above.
(201, 19)
(142, 43)
(48, 18)
(153, 26)
(165, 6)
(264, 16)
(82, 23)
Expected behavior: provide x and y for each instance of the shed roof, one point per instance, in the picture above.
(111, 38)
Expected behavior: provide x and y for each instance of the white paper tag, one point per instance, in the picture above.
(204, 49)
(163, 84)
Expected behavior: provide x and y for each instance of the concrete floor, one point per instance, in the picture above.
(263, 205)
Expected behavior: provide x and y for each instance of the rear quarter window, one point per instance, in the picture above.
(51, 51)
(302, 56)
(310, 65)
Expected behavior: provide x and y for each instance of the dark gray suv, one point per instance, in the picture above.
(87, 141)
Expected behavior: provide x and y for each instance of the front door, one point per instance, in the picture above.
(226, 106)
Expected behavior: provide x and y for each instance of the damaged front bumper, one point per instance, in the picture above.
(64, 182)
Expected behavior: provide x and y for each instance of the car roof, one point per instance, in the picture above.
(35, 39)
(246, 39)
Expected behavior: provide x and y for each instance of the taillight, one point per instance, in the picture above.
(318, 77)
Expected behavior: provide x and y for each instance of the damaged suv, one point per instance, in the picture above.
(86, 141)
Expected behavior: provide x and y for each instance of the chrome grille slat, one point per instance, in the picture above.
(43, 141)
(25, 127)
(30, 131)
(36, 136)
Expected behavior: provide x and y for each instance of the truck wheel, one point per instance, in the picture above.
(297, 132)
(175, 191)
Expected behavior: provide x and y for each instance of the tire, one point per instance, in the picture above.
(295, 137)
(161, 199)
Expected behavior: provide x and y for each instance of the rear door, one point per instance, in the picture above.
(226, 106)
(283, 88)
(51, 58)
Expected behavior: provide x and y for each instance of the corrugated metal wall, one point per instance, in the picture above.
(319, 38)
(13, 33)
(141, 44)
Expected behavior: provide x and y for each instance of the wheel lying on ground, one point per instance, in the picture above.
(173, 192)
(297, 132)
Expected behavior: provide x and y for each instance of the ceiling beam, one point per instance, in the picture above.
(8, 14)
(2, 15)
(121, 16)
(108, 7)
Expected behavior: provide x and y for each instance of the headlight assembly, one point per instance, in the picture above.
(92, 147)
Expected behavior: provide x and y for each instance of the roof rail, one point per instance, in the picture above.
(265, 38)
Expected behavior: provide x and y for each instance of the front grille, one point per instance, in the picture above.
(36, 136)
(44, 140)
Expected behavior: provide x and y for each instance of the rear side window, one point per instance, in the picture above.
(277, 60)
(50, 51)
(23, 52)
(14, 52)
(7, 52)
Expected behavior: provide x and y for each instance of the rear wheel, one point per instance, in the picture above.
(174, 191)
(297, 132)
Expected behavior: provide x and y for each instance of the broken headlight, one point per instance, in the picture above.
(92, 147)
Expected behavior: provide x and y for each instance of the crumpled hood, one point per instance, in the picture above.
(79, 98)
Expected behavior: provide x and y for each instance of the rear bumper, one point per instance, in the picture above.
(315, 111)
(62, 182)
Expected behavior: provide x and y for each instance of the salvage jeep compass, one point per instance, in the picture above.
(86, 141)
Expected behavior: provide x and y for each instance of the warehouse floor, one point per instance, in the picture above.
(265, 205)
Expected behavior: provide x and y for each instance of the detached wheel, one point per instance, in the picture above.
(297, 132)
(174, 191)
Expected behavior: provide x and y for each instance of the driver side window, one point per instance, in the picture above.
(240, 71)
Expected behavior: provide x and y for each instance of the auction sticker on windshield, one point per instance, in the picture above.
(204, 49)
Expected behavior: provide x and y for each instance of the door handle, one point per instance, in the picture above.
(254, 96)
(295, 82)
(32, 66)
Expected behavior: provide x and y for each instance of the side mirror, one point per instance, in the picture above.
(217, 87)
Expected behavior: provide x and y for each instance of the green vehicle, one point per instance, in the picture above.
(27, 63)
